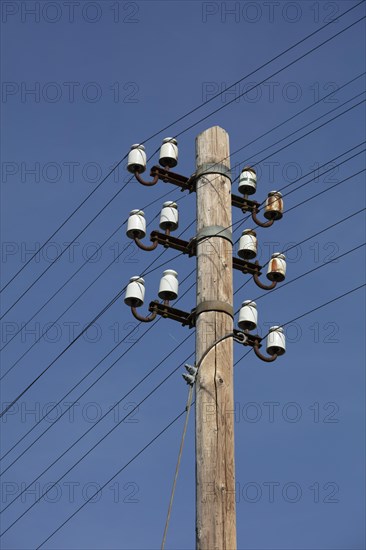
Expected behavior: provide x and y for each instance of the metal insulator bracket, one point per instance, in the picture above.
(166, 311)
(168, 241)
(247, 267)
(247, 339)
(245, 205)
(186, 184)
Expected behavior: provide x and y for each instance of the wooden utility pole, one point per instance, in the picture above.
(215, 467)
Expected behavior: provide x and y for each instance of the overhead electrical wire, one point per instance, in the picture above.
(271, 76)
(63, 251)
(120, 293)
(159, 385)
(303, 314)
(179, 120)
(227, 336)
(287, 145)
(180, 198)
(102, 417)
(309, 312)
(73, 388)
(110, 303)
(308, 272)
(265, 134)
(178, 417)
(180, 133)
(66, 220)
(191, 224)
(102, 314)
(307, 200)
(312, 179)
(73, 303)
(256, 163)
(81, 267)
(307, 239)
(254, 71)
(238, 290)
(80, 295)
(311, 131)
(94, 446)
(91, 386)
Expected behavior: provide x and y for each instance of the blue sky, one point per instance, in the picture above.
(109, 74)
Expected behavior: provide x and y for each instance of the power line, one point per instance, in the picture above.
(310, 271)
(229, 335)
(84, 293)
(180, 133)
(322, 166)
(101, 418)
(323, 305)
(172, 124)
(322, 231)
(291, 118)
(119, 294)
(298, 139)
(304, 315)
(89, 387)
(74, 302)
(101, 313)
(94, 446)
(307, 239)
(120, 226)
(311, 131)
(312, 179)
(246, 282)
(81, 267)
(62, 252)
(119, 471)
(284, 147)
(255, 71)
(180, 415)
(291, 143)
(66, 220)
(326, 190)
(265, 134)
(80, 295)
(191, 126)
(272, 75)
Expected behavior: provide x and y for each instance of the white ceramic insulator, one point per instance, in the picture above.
(276, 341)
(136, 161)
(169, 216)
(169, 153)
(135, 292)
(168, 288)
(248, 245)
(248, 316)
(247, 182)
(136, 224)
(277, 267)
